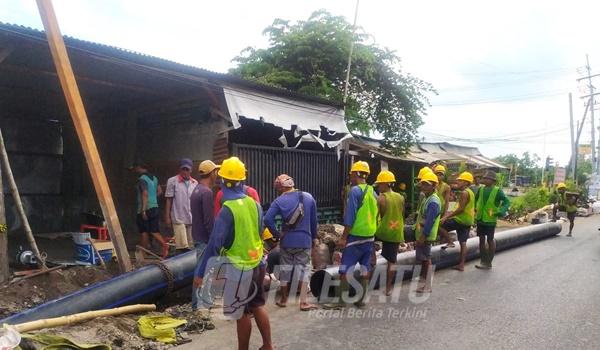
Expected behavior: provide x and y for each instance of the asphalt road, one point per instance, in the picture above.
(545, 295)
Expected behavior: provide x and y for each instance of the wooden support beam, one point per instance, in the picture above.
(4, 270)
(18, 204)
(84, 131)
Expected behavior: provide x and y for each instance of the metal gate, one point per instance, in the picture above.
(316, 172)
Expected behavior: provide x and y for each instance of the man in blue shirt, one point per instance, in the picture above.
(360, 224)
(298, 234)
(237, 240)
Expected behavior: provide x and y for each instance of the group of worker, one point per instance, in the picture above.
(369, 217)
(229, 227)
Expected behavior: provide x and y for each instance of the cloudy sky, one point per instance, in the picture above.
(503, 71)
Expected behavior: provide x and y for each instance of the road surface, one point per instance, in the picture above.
(545, 295)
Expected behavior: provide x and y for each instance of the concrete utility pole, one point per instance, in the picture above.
(591, 89)
(347, 84)
(84, 131)
(573, 145)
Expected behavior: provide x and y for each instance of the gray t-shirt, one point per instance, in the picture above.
(180, 190)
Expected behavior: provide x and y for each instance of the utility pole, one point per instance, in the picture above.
(591, 90)
(347, 84)
(83, 129)
(573, 145)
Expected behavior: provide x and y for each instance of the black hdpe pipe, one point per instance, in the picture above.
(446, 258)
(145, 284)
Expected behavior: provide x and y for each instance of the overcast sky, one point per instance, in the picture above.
(503, 71)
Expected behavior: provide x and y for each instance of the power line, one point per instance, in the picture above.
(506, 100)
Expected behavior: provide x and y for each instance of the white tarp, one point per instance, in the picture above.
(283, 112)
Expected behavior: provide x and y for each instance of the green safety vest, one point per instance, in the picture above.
(246, 251)
(391, 226)
(421, 218)
(562, 201)
(152, 188)
(487, 212)
(467, 217)
(365, 223)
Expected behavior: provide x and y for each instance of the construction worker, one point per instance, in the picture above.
(490, 203)
(298, 236)
(443, 191)
(567, 202)
(426, 228)
(360, 224)
(236, 237)
(148, 215)
(462, 218)
(391, 225)
(177, 205)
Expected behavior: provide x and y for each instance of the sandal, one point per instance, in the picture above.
(280, 304)
(308, 307)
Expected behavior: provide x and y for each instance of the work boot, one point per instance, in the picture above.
(361, 301)
(338, 303)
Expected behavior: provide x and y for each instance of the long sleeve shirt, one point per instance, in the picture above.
(432, 211)
(201, 207)
(223, 232)
(305, 231)
(355, 199)
(502, 202)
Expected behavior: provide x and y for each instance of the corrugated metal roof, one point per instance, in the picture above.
(156, 62)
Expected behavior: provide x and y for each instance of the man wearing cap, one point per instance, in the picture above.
(360, 224)
(443, 191)
(462, 218)
(426, 228)
(148, 214)
(202, 204)
(567, 202)
(298, 235)
(391, 225)
(236, 238)
(490, 204)
(177, 205)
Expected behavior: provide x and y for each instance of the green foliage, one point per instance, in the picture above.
(310, 57)
(526, 165)
(584, 170)
(533, 199)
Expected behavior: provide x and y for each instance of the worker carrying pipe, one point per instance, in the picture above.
(236, 238)
(360, 224)
(567, 202)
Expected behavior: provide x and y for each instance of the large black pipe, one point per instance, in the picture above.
(142, 285)
(449, 257)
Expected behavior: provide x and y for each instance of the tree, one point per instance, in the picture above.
(526, 165)
(310, 57)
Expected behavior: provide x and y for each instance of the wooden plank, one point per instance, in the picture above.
(4, 270)
(84, 131)
(18, 204)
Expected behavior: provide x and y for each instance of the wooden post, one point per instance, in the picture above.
(84, 132)
(4, 271)
(18, 204)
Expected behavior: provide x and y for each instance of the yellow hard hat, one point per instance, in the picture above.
(233, 169)
(361, 167)
(429, 177)
(385, 177)
(466, 176)
(561, 185)
(423, 171)
(439, 169)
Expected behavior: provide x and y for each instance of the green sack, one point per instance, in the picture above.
(161, 327)
(56, 342)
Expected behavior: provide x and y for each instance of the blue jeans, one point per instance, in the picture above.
(205, 292)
